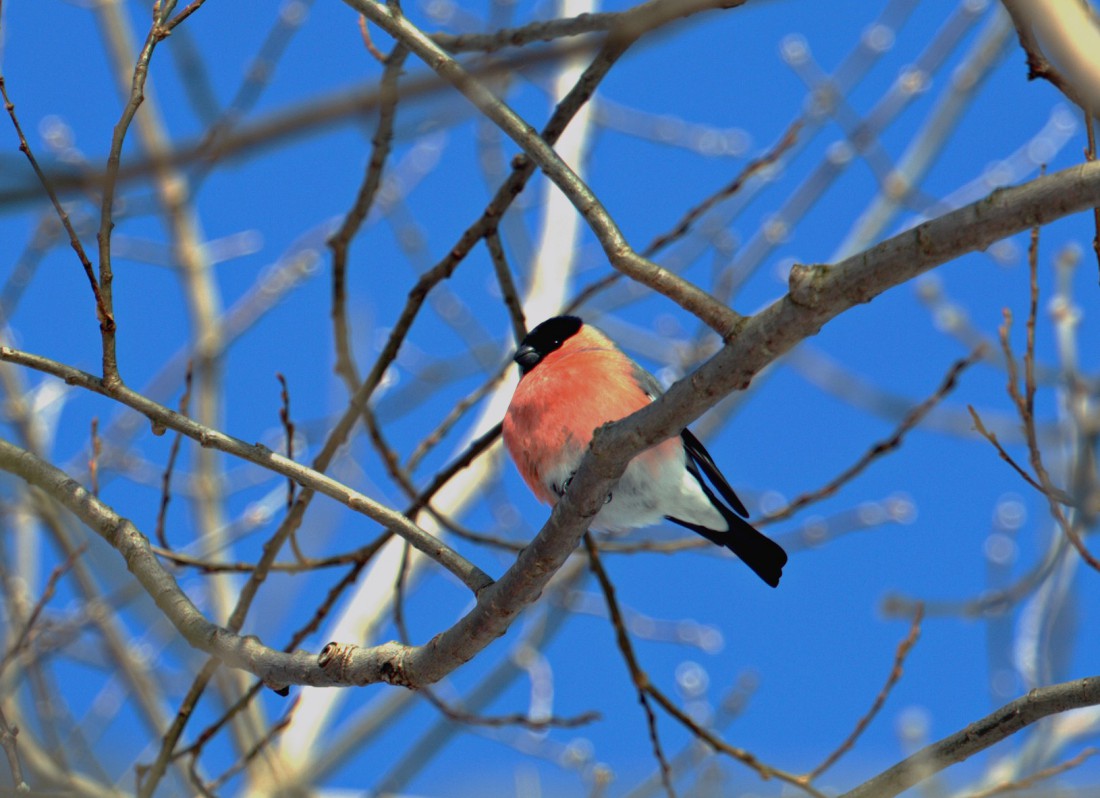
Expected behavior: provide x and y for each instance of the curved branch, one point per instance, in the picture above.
(209, 438)
(818, 294)
(981, 734)
(619, 252)
(1069, 34)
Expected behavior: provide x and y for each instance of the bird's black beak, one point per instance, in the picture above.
(527, 357)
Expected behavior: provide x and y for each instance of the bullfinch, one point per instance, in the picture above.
(573, 380)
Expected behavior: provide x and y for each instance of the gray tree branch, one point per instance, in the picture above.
(981, 734)
(817, 295)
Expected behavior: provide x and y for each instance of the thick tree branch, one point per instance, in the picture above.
(817, 295)
(820, 293)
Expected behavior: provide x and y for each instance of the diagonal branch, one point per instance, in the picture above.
(981, 734)
(619, 252)
(163, 418)
(818, 294)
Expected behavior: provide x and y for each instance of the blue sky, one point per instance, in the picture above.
(676, 120)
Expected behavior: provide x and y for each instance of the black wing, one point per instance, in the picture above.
(701, 458)
(762, 554)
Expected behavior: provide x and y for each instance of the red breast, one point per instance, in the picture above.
(562, 401)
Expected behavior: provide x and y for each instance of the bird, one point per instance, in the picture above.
(574, 379)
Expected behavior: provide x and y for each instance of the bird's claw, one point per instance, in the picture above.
(559, 490)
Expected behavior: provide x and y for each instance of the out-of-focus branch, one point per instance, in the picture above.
(1067, 33)
(904, 647)
(162, 417)
(59, 209)
(8, 736)
(642, 17)
(1035, 778)
(880, 448)
(981, 734)
(817, 295)
(619, 252)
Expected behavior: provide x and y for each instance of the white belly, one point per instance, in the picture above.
(643, 498)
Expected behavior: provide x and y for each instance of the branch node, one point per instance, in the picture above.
(804, 281)
(333, 652)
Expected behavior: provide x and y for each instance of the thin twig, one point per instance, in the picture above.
(258, 748)
(340, 242)
(626, 648)
(458, 715)
(149, 776)
(188, 10)
(991, 436)
(173, 453)
(399, 596)
(296, 567)
(372, 48)
(136, 97)
(507, 284)
(904, 647)
(24, 635)
(454, 415)
(93, 460)
(1025, 401)
(1037, 776)
(288, 434)
(8, 735)
(102, 311)
(684, 225)
(883, 447)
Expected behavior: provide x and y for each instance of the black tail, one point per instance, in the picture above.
(762, 554)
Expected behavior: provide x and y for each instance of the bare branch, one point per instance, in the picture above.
(173, 453)
(618, 251)
(62, 214)
(1069, 32)
(912, 419)
(904, 647)
(981, 734)
(818, 294)
(626, 648)
(163, 417)
(8, 735)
